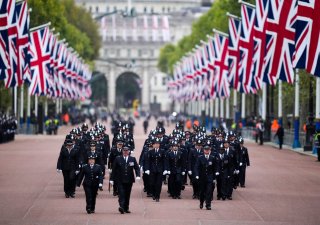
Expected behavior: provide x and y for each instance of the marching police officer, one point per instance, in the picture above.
(193, 156)
(244, 162)
(93, 179)
(155, 163)
(123, 174)
(205, 171)
(68, 163)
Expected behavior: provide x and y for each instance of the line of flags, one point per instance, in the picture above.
(37, 57)
(266, 44)
(136, 27)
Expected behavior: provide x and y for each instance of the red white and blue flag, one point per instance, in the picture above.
(307, 38)
(4, 38)
(280, 41)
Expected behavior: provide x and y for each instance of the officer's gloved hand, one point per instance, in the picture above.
(79, 165)
(217, 173)
(240, 164)
(111, 182)
(138, 178)
(237, 171)
(169, 172)
(77, 172)
(109, 170)
(59, 171)
(183, 173)
(100, 187)
(197, 177)
(165, 172)
(147, 172)
(214, 181)
(190, 172)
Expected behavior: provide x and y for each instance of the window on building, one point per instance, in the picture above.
(164, 80)
(168, 9)
(118, 53)
(97, 9)
(105, 52)
(140, 53)
(151, 52)
(154, 99)
(145, 9)
(163, 9)
(107, 9)
(129, 52)
(155, 81)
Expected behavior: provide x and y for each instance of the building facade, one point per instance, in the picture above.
(133, 34)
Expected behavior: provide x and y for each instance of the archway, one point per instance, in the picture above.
(127, 90)
(99, 86)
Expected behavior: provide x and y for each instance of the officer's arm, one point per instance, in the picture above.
(100, 175)
(59, 166)
(197, 167)
(80, 178)
(147, 161)
(248, 160)
(136, 168)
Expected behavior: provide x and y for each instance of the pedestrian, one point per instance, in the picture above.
(194, 153)
(93, 179)
(317, 142)
(145, 125)
(280, 134)
(123, 174)
(68, 164)
(261, 129)
(205, 171)
(243, 163)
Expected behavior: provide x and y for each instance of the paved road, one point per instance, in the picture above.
(282, 188)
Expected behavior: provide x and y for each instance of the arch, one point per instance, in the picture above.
(128, 88)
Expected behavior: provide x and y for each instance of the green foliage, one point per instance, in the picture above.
(71, 21)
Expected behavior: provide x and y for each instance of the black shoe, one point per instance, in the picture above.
(218, 198)
(179, 197)
(127, 211)
(208, 207)
(194, 197)
(174, 197)
(67, 196)
(92, 211)
(144, 190)
(201, 205)
(115, 194)
(230, 198)
(88, 211)
(235, 187)
(223, 198)
(243, 186)
(157, 200)
(121, 210)
(72, 195)
(149, 195)
(169, 195)
(154, 198)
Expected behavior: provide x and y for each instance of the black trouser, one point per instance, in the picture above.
(69, 178)
(222, 185)
(146, 182)
(242, 175)
(235, 180)
(318, 151)
(206, 190)
(91, 195)
(261, 137)
(195, 187)
(280, 142)
(156, 184)
(229, 185)
(124, 190)
(175, 182)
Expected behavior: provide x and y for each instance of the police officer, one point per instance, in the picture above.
(68, 164)
(193, 156)
(93, 179)
(175, 167)
(123, 170)
(205, 171)
(155, 163)
(244, 162)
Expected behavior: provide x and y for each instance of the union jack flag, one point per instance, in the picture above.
(280, 40)
(221, 65)
(39, 61)
(307, 54)
(245, 48)
(12, 79)
(23, 62)
(4, 39)
(259, 42)
(234, 35)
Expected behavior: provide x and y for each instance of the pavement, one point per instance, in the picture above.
(282, 187)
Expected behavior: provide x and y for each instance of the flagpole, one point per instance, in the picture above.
(216, 108)
(228, 108)
(21, 104)
(247, 4)
(46, 109)
(211, 112)
(40, 27)
(15, 99)
(280, 103)
(243, 109)
(220, 32)
(57, 106)
(264, 101)
(221, 108)
(28, 112)
(296, 141)
(235, 105)
(233, 16)
(36, 112)
(318, 103)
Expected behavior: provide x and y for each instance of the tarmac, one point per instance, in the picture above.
(282, 187)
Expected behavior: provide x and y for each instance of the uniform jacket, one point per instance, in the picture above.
(193, 156)
(113, 154)
(175, 163)
(244, 157)
(92, 176)
(122, 171)
(68, 160)
(155, 161)
(206, 168)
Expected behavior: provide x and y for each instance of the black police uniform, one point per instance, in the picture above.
(205, 170)
(244, 162)
(123, 175)
(92, 178)
(193, 156)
